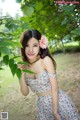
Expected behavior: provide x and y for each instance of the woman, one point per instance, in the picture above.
(51, 104)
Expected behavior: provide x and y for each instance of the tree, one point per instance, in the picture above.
(57, 21)
(51, 18)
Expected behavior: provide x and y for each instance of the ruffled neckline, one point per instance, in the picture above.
(38, 75)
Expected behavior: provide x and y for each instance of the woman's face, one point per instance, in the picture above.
(32, 49)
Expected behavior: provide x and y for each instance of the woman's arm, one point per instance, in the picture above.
(23, 86)
(48, 65)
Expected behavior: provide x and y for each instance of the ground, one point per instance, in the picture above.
(20, 107)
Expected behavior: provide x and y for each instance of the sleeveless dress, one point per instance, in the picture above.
(66, 107)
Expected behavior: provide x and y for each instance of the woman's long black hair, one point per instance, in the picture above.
(26, 36)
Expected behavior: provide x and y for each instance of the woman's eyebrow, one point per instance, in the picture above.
(32, 44)
(35, 43)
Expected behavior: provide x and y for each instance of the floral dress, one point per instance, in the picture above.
(66, 109)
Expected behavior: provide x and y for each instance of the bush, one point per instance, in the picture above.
(66, 49)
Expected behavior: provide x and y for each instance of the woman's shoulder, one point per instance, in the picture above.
(48, 64)
(46, 61)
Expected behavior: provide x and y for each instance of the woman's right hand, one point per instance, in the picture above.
(22, 67)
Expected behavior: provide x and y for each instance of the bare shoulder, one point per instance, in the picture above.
(47, 60)
(48, 63)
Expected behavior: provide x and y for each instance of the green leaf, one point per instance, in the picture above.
(2, 33)
(43, 12)
(6, 59)
(1, 68)
(28, 11)
(5, 50)
(28, 71)
(68, 8)
(65, 21)
(11, 25)
(11, 63)
(17, 44)
(51, 2)
(39, 6)
(16, 57)
(13, 69)
(18, 73)
(76, 31)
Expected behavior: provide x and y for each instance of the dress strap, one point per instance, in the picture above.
(52, 75)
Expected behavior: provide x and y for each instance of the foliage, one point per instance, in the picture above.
(60, 23)
(13, 66)
(10, 31)
(51, 18)
(70, 47)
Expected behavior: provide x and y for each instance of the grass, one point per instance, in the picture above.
(20, 107)
(6, 81)
(68, 69)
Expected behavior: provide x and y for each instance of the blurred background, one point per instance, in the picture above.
(60, 23)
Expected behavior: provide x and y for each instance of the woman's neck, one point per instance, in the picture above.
(34, 61)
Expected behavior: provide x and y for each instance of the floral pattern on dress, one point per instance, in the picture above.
(66, 109)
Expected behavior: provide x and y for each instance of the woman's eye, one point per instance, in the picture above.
(35, 45)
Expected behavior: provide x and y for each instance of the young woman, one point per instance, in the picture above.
(51, 104)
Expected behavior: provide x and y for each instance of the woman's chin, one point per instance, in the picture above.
(31, 57)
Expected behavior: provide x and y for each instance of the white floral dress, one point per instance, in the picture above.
(66, 109)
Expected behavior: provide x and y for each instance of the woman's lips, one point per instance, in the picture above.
(30, 54)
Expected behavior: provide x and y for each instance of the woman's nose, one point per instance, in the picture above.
(31, 49)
